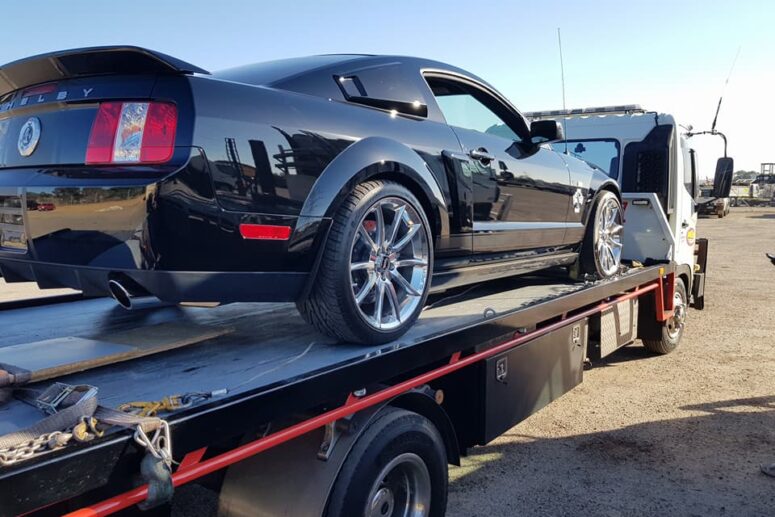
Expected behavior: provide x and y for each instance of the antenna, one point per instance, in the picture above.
(723, 90)
(562, 78)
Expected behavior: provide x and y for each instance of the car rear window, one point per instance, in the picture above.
(272, 71)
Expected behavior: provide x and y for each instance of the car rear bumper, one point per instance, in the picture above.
(161, 236)
(169, 286)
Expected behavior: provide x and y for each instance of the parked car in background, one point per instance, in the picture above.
(350, 184)
(709, 205)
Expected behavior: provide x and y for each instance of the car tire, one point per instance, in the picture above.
(673, 329)
(594, 259)
(366, 257)
(400, 460)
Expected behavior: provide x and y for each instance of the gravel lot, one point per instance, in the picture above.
(681, 434)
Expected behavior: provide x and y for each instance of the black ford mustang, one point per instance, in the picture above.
(350, 184)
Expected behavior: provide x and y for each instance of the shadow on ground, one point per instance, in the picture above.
(674, 467)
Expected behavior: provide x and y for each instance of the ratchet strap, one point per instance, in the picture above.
(70, 410)
(74, 413)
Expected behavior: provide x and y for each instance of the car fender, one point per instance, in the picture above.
(597, 186)
(368, 158)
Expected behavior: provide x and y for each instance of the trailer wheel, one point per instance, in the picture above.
(376, 267)
(398, 467)
(673, 329)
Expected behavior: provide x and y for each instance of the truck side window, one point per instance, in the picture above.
(600, 153)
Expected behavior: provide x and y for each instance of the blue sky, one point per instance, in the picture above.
(667, 56)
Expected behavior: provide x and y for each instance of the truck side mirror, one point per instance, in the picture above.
(722, 181)
(542, 131)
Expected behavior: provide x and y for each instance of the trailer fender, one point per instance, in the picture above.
(292, 479)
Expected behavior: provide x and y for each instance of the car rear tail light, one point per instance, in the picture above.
(132, 132)
(265, 232)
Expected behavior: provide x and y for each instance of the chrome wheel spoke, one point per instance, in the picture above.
(393, 298)
(379, 303)
(412, 262)
(366, 289)
(403, 282)
(410, 233)
(359, 266)
(364, 234)
(380, 229)
(397, 220)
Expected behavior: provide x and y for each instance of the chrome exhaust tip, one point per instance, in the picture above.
(132, 301)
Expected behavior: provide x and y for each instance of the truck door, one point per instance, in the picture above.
(520, 191)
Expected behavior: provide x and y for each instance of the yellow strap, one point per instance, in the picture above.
(151, 407)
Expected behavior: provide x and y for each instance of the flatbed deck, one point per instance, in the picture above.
(270, 362)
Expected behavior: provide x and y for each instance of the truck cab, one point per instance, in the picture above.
(651, 157)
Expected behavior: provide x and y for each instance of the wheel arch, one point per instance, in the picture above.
(684, 272)
(378, 158)
(607, 185)
(423, 403)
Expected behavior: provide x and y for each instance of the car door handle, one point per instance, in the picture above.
(482, 155)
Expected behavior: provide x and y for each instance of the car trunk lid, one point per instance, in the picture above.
(48, 103)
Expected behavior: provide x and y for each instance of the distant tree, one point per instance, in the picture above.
(745, 175)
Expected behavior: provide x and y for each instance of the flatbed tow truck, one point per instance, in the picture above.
(280, 411)
(278, 420)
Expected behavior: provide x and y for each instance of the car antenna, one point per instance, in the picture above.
(562, 79)
(713, 130)
(723, 90)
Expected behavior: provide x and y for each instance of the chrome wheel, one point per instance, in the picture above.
(676, 323)
(389, 262)
(608, 248)
(403, 488)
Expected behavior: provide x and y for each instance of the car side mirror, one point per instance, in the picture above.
(722, 181)
(542, 131)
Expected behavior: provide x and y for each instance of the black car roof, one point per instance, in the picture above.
(269, 72)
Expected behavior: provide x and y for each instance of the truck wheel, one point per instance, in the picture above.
(673, 328)
(601, 250)
(376, 267)
(398, 467)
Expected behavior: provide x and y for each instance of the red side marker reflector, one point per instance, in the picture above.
(266, 232)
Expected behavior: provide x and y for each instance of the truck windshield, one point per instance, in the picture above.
(601, 153)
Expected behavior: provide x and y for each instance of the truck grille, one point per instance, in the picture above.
(12, 235)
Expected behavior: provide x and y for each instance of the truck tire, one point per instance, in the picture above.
(673, 329)
(398, 462)
(376, 266)
(601, 250)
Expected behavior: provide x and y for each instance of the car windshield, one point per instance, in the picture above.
(602, 153)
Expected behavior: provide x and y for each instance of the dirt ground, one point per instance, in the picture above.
(681, 434)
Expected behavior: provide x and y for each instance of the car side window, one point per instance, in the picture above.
(470, 108)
